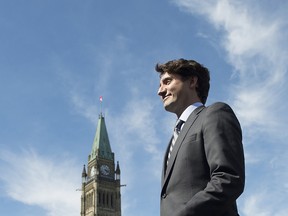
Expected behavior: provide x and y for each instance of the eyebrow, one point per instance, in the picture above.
(165, 78)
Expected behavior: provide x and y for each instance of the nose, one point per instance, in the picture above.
(161, 91)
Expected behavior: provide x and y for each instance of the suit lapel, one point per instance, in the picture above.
(191, 119)
(165, 161)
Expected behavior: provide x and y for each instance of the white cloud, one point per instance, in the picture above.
(137, 127)
(261, 204)
(48, 183)
(253, 207)
(255, 48)
(84, 107)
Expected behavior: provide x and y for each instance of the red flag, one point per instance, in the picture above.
(101, 98)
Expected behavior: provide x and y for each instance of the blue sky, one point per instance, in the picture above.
(58, 57)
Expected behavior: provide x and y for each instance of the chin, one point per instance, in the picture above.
(169, 108)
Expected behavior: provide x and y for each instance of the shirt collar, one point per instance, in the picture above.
(184, 116)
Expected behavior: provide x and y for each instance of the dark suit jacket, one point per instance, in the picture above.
(205, 174)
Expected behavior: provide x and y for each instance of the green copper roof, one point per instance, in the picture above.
(101, 146)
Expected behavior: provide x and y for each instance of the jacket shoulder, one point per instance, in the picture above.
(219, 106)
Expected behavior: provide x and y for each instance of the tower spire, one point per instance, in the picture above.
(84, 174)
(101, 146)
(117, 171)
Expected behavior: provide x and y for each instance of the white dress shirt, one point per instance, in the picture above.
(184, 116)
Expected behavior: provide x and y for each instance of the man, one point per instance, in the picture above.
(203, 168)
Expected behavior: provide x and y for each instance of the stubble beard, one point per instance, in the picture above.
(170, 105)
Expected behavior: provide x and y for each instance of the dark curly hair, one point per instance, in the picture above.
(187, 68)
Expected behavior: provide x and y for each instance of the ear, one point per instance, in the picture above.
(193, 82)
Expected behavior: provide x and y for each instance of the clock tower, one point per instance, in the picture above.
(101, 180)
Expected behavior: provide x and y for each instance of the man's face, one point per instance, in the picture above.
(175, 93)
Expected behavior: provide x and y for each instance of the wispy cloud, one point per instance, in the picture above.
(35, 179)
(137, 127)
(253, 205)
(254, 46)
(258, 205)
(85, 107)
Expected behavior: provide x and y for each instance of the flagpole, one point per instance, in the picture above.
(101, 99)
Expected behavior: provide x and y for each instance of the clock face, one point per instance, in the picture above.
(104, 169)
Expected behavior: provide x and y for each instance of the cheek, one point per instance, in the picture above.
(174, 90)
